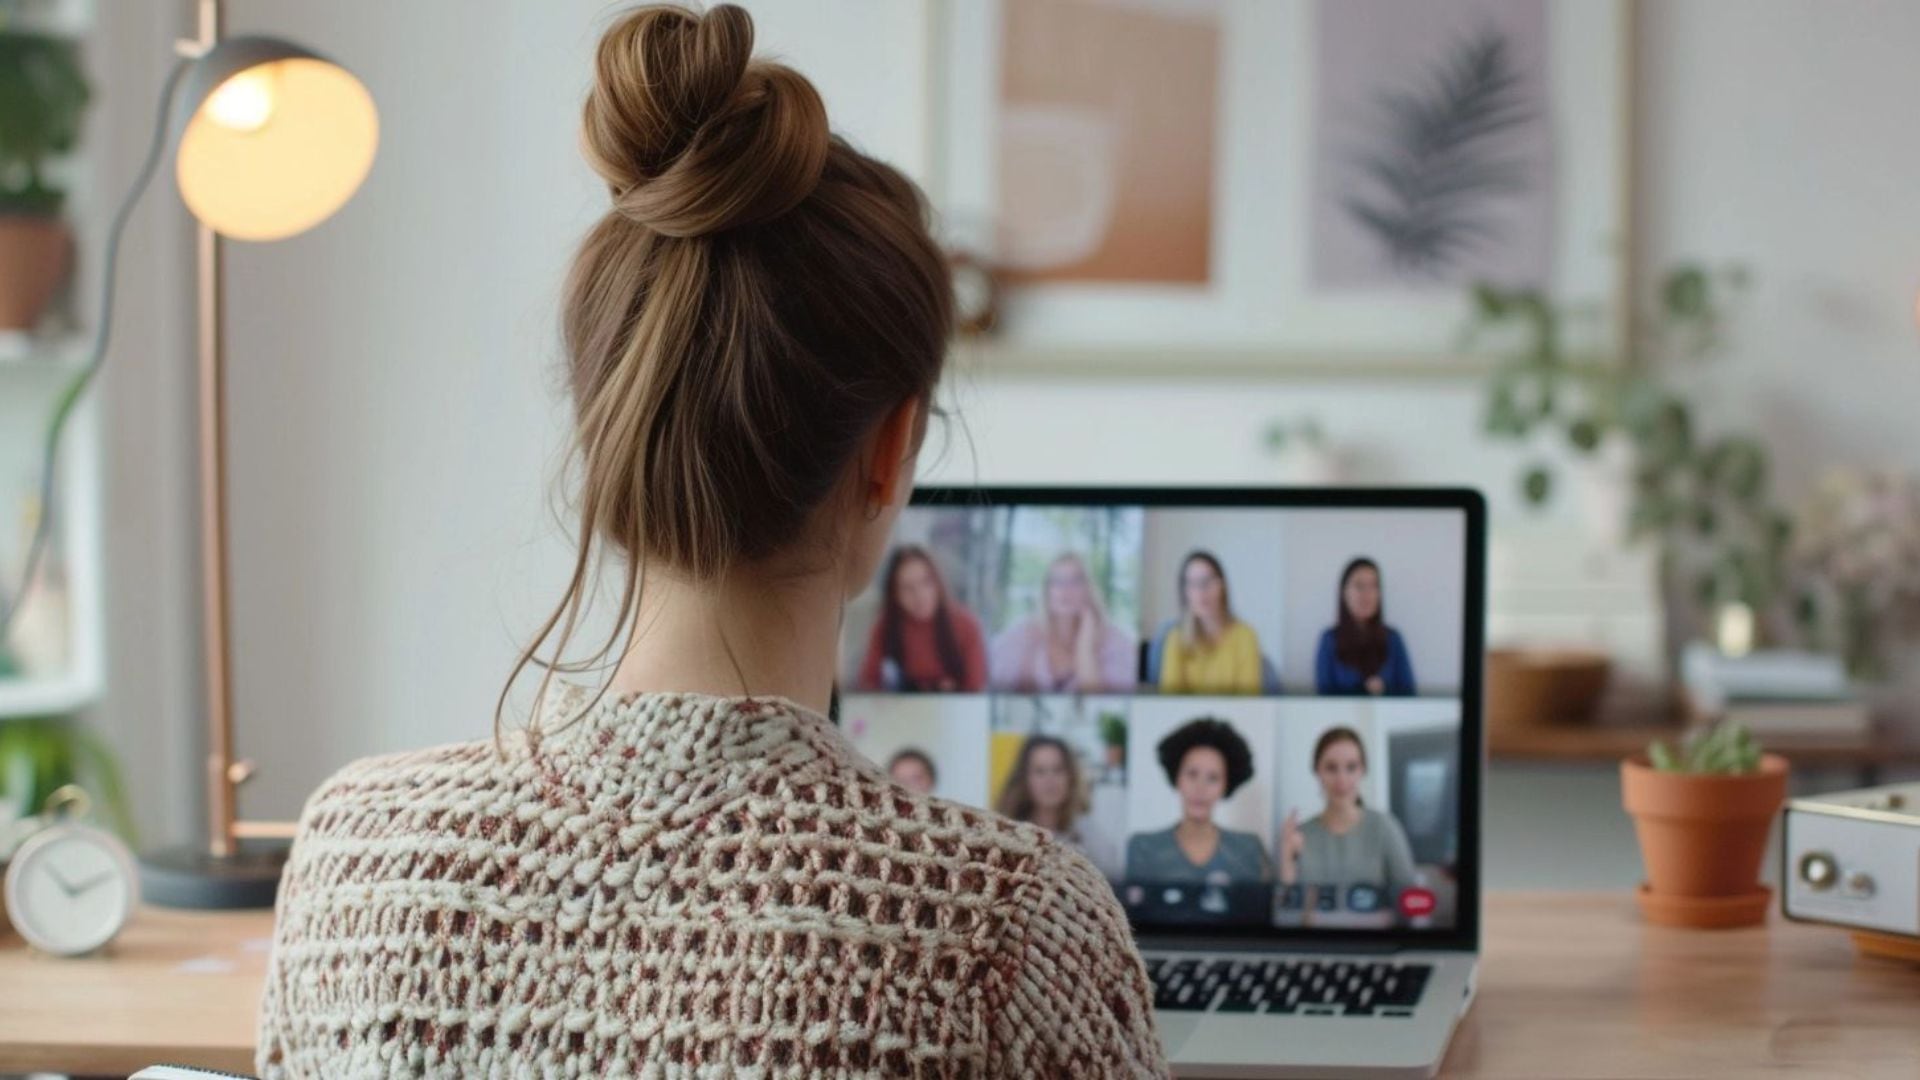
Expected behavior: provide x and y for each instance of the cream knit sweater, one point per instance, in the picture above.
(687, 886)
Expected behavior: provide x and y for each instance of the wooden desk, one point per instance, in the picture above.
(177, 988)
(1573, 986)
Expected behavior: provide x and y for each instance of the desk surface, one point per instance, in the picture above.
(1573, 986)
(176, 988)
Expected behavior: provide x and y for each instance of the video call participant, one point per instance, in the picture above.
(1360, 654)
(924, 640)
(1346, 843)
(913, 769)
(1067, 647)
(1206, 760)
(1048, 788)
(1208, 651)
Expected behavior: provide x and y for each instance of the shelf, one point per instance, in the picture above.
(45, 697)
(23, 355)
(35, 368)
(1609, 743)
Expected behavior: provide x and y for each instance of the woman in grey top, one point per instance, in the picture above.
(1206, 761)
(1347, 843)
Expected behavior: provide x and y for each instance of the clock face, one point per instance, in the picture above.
(70, 889)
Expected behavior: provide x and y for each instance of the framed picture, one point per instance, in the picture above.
(1280, 185)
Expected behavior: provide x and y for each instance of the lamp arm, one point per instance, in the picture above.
(96, 354)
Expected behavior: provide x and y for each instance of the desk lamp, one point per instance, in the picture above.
(270, 139)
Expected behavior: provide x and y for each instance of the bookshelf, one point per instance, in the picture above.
(60, 630)
(60, 636)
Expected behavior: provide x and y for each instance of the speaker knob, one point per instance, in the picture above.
(1818, 870)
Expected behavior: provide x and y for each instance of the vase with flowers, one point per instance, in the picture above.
(1859, 539)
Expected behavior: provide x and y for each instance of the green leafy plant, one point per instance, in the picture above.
(1113, 729)
(1285, 436)
(1723, 749)
(39, 755)
(43, 93)
(1707, 499)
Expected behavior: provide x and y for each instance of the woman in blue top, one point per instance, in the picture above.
(1360, 653)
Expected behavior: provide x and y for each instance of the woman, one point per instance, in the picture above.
(1048, 788)
(1209, 651)
(753, 333)
(1360, 654)
(1206, 761)
(1345, 844)
(912, 769)
(1069, 646)
(923, 641)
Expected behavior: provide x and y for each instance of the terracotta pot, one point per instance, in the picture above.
(35, 254)
(1551, 687)
(1703, 837)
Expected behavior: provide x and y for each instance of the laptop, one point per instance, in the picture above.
(1256, 711)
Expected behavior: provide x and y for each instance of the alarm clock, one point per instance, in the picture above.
(70, 888)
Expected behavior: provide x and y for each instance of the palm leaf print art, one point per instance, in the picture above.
(1430, 187)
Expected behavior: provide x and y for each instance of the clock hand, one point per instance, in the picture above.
(88, 885)
(54, 873)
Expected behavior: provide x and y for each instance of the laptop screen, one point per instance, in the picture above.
(1245, 708)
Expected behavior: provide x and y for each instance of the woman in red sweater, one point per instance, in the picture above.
(924, 641)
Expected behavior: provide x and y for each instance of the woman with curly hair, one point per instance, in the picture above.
(1206, 761)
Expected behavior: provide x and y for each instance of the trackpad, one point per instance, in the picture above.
(1177, 1030)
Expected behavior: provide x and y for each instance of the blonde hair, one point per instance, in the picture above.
(757, 300)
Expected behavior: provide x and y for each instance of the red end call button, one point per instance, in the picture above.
(1416, 902)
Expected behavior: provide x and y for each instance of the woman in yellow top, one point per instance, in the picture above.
(1208, 651)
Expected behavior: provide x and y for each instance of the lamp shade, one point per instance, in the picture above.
(271, 138)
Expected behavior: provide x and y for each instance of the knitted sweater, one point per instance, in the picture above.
(687, 886)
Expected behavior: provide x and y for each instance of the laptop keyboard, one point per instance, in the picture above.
(1296, 987)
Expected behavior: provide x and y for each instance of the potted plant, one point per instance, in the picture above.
(40, 755)
(1307, 457)
(1113, 735)
(42, 95)
(1651, 472)
(1702, 812)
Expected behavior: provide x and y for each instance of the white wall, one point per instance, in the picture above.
(395, 407)
(151, 712)
(1779, 132)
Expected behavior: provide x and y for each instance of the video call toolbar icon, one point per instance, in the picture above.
(1417, 901)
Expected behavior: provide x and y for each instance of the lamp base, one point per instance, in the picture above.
(198, 880)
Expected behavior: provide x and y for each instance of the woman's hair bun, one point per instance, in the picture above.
(692, 135)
